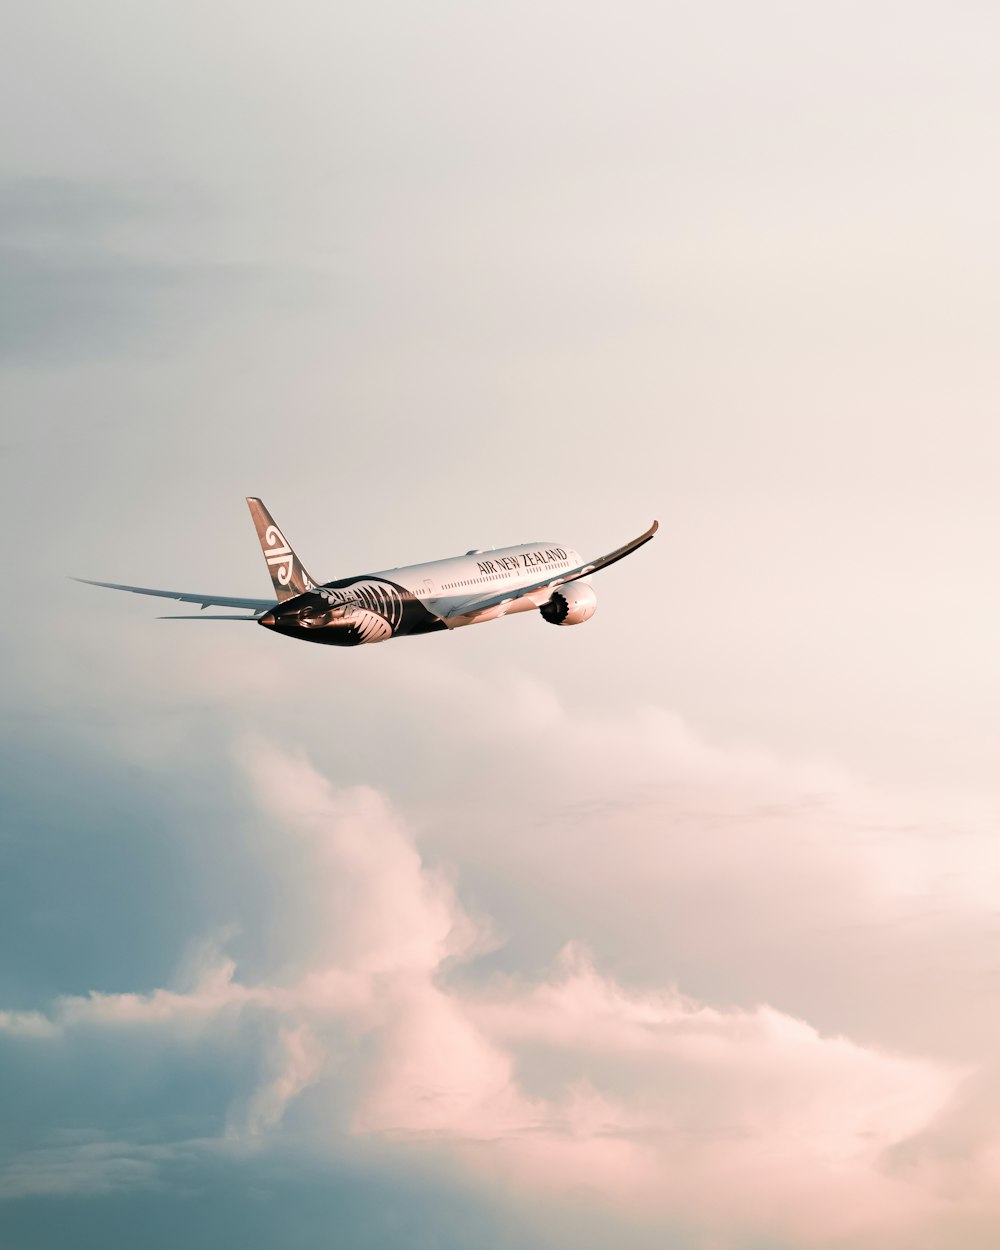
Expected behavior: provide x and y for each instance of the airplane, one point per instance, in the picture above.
(417, 599)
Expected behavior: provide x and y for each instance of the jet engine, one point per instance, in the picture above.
(571, 604)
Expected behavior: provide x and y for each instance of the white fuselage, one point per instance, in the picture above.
(444, 585)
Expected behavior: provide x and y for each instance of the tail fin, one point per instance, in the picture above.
(287, 572)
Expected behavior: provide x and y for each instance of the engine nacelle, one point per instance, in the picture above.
(571, 604)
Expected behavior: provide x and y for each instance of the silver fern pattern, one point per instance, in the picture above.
(370, 610)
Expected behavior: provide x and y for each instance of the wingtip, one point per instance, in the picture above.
(654, 527)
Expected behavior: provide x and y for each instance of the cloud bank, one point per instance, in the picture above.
(390, 1020)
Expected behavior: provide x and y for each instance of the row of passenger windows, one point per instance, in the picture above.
(492, 577)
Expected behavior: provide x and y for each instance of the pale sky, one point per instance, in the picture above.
(674, 929)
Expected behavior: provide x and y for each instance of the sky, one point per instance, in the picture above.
(675, 930)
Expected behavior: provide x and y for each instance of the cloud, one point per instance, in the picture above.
(93, 1167)
(753, 878)
(639, 1100)
(80, 302)
(93, 269)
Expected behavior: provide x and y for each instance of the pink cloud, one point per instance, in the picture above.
(647, 1101)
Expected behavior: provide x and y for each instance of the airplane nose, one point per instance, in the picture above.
(267, 620)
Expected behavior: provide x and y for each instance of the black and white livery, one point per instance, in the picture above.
(418, 599)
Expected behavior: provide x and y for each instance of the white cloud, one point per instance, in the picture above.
(646, 1100)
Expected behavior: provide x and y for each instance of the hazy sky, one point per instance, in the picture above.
(676, 930)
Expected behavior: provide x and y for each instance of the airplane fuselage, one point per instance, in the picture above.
(419, 598)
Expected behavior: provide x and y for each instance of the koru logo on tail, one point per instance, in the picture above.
(278, 554)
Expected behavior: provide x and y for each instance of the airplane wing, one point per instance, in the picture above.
(469, 606)
(221, 601)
